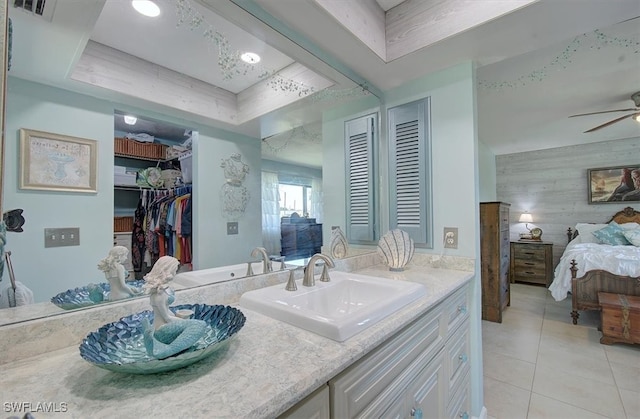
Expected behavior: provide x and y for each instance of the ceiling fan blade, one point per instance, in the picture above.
(606, 124)
(613, 110)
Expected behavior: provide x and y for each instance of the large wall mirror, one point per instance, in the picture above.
(183, 70)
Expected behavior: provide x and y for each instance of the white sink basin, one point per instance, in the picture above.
(213, 275)
(338, 309)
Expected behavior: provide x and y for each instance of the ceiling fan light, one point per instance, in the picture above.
(146, 7)
(130, 119)
(636, 117)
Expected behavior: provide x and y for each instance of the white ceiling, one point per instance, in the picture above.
(524, 96)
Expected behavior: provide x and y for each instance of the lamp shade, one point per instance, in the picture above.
(525, 218)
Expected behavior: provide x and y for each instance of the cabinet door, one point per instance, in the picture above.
(460, 404)
(315, 406)
(427, 392)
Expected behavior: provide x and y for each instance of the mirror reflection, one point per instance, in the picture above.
(198, 99)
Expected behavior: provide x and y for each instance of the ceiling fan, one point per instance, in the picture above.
(635, 113)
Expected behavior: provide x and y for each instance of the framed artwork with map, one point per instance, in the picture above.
(57, 162)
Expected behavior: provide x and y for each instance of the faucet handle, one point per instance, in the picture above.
(291, 283)
(249, 269)
(324, 277)
(279, 259)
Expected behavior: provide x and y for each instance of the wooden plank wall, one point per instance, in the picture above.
(552, 185)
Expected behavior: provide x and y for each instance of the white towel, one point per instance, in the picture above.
(23, 295)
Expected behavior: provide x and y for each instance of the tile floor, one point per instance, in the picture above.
(537, 364)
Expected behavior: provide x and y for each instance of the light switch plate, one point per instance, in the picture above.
(232, 228)
(58, 237)
(451, 237)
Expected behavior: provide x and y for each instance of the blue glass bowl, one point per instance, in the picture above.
(119, 346)
(79, 297)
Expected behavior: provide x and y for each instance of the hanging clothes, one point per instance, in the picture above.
(164, 214)
(137, 236)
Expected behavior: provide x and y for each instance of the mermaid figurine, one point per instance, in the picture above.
(169, 334)
(115, 273)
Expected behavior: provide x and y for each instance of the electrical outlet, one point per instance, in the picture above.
(58, 237)
(232, 228)
(451, 237)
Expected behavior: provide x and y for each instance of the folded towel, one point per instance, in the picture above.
(142, 137)
(23, 296)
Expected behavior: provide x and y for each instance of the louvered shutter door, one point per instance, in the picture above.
(360, 180)
(408, 168)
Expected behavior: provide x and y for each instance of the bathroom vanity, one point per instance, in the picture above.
(416, 358)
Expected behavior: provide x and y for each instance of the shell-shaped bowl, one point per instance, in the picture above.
(396, 249)
(119, 346)
(79, 297)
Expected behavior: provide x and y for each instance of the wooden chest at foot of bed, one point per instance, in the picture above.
(620, 316)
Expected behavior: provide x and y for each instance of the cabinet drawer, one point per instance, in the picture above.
(457, 309)
(526, 266)
(504, 217)
(457, 357)
(460, 403)
(524, 270)
(357, 387)
(529, 252)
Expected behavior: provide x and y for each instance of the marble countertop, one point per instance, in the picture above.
(267, 368)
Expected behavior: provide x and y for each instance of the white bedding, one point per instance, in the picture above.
(619, 260)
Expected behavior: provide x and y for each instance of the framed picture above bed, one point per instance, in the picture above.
(614, 184)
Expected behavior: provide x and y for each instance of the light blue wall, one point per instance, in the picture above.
(48, 271)
(487, 173)
(454, 174)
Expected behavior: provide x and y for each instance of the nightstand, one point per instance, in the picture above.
(532, 262)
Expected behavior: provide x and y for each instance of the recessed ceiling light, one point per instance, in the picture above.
(130, 119)
(146, 7)
(250, 57)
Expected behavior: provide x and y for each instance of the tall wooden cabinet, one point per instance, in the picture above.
(495, 259)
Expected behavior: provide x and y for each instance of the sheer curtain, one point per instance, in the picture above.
(270, 213)
(316, 200)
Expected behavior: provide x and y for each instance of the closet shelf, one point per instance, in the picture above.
(128, 156)
(136, 188)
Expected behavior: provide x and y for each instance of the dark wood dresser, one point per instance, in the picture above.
(301, 237)
(532, 262)
(494, 258)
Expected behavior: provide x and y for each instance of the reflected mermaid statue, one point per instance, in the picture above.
(115, 273)
(169, 334)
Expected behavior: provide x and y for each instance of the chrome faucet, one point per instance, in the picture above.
(309, 271)
(266, 262)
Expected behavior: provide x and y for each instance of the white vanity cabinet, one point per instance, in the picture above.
(424, 366)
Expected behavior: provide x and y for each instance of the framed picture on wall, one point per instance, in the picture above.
(57, 162)
(614, 184)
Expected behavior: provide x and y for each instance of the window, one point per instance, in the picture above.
(410, 171)
(295, 198)
(361, 191)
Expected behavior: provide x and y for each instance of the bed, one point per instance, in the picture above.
(599, 262)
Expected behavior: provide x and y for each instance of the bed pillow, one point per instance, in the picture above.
(629, 226)
(586, 230)
(612, 234)
(633, 236)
